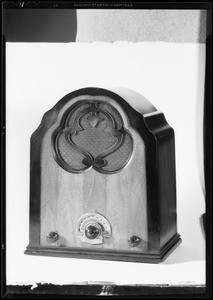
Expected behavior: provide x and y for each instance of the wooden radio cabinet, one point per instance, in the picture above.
(102, 179)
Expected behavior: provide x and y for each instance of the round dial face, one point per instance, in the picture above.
(93, 228)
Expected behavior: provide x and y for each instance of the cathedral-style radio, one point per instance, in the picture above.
(102, 179)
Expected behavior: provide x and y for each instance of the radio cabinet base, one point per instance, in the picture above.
(148, 257)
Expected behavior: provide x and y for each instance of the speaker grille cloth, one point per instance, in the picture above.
(71, 157)
(95, 132)
(94, 140)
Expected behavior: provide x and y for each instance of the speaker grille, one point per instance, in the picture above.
(92, 135)
(70, 156)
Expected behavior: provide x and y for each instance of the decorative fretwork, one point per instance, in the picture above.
(89, 136)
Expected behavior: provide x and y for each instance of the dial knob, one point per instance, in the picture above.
(52, 237)
(134, 241)
(92, 231)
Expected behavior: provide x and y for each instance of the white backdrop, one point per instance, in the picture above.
(171, 76)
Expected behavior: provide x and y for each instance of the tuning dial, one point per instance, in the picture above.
(92, 231)
(52, 237)
(93, 228)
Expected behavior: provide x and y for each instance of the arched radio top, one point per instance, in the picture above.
(73, 130)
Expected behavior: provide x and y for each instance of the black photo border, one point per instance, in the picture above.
(87, 290)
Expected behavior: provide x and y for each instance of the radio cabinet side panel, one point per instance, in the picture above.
(166, 175)
(167, 188)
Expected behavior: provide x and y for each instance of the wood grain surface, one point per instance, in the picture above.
(120, 197)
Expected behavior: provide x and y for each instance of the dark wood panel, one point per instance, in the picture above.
(166, 175)
(167, 188)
